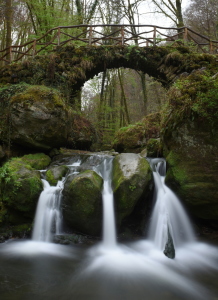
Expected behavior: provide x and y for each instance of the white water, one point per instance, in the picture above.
(143, 262)
(109, 228)
(48, 219)
(137, 271)
(167, 213)
(109, 231)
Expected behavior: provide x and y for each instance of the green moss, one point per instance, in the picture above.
(135, 136)
(20, 187)
(154, 148)
(9, 90)
(37, 161)
(176, 170)
(195, 96)
(40, 93)
(129, 183)
(82, 202)
(56, 173)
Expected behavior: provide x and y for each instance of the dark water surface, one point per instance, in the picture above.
(32, 270)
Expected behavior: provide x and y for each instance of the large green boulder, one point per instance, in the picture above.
(192, 148)
(20, 187)
(190, 139)
(37, 117)
(82, 202)
(131, 182)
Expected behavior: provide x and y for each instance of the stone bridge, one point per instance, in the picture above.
(68, 67)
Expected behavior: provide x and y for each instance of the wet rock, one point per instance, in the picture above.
(72, 239)
(190, 139)
(82, 202)
(54, 174)
(193, 166)
(169, 250)
(131, 182)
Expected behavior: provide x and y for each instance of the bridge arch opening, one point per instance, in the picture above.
(120, 97)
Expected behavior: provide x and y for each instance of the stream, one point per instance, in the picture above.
(38, 269)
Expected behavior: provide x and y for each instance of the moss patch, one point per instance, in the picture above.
(82, 202)
(190, 139)
(134, 137)
(20, 187)
(56, 173)
(131, 180)
(37, 161)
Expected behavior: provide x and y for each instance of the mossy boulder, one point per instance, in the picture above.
(154, 147)
(134, 138)
(190, 138)
(82, 202)
(193, 167)
(38, 161)
(20, 187)
(54, 174)
(38, 117)
(131, 182)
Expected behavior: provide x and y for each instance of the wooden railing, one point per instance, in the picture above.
(111, 35)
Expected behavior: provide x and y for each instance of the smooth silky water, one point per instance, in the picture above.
(39, 269)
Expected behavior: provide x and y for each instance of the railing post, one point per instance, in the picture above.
(34, 48)
(59, 36)
(90, 35)
(10, 54)
(122, 36)
(154, 36)
(211, 47)
(185, 35)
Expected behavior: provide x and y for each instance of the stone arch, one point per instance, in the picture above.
(68, 68)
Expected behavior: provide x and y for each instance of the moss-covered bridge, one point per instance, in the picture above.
(68, 67)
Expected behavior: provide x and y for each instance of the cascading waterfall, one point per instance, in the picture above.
(168, 214)
(138, 270)
(48, 219)
(109, 231)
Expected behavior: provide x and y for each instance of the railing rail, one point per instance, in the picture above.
(110, 35)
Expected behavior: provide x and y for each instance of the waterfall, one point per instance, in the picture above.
(48, 218)
(109, 231)
(168, 216)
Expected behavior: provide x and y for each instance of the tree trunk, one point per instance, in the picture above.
(180, 22)
(8, 18)
(124, 98)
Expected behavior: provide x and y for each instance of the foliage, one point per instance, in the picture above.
(37, 161)
(136, 136)
(201, 16)
(8, 176)
(9, 90)
(134, 51)
(38, 93)
(20, 185)
(195, 95)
